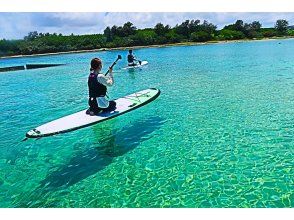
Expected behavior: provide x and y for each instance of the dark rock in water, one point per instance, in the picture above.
(28, 66)
(36, 66)
(11, 68)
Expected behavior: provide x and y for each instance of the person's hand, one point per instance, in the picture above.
(110, 70)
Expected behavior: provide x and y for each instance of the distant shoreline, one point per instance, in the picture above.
(148, 46)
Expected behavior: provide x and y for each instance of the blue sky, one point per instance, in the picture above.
(17, 25)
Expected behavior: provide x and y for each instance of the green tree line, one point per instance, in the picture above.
(128, 35)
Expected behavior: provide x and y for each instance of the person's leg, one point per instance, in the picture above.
(111, 107)
(93, 107)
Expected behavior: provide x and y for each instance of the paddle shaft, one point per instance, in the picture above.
(138, 60)
(112, 65)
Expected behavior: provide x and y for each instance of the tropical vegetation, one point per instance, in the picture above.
(128, 35)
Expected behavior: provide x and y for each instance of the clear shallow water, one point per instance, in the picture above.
(221, 134)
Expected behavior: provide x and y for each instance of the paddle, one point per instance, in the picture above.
(138, 61)
(118, 58)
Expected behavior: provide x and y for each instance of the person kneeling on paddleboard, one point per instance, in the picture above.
(132, 59)
(97, 84)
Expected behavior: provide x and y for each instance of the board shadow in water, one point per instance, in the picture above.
(94, 159)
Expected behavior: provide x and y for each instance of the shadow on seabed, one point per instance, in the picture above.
(94, 159)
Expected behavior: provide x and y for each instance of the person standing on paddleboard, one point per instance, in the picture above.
(97, 84)
(132, 59)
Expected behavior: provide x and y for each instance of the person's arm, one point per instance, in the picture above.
(106, 80)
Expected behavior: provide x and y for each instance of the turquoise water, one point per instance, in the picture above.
(221, 134)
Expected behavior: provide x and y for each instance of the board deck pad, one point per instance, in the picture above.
(81, 119)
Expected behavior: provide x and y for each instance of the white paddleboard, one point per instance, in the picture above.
(81, 119)
(143, 63)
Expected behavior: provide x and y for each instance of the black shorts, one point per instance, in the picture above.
(93, 106)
